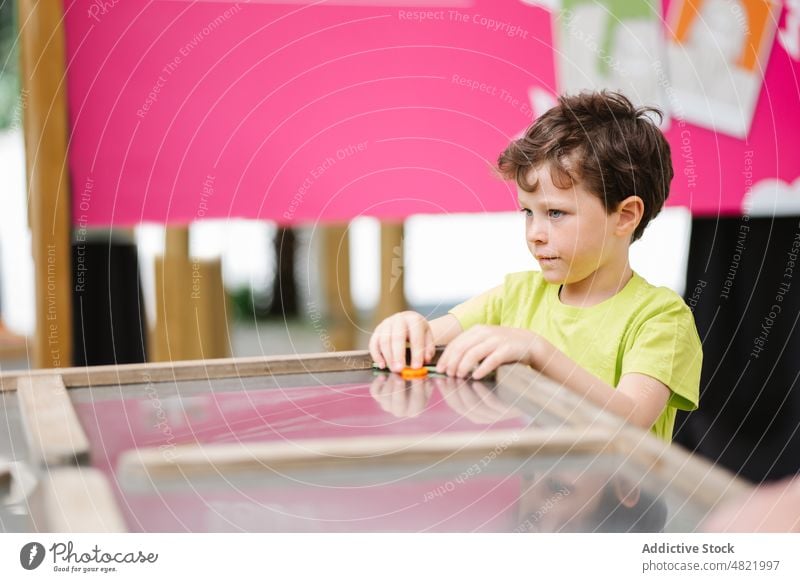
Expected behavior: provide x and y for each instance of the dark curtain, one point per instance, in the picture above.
(109, 324)
(743, 283)
(284, 291)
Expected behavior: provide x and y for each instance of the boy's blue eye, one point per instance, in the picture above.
(555, 213)
(526, 211)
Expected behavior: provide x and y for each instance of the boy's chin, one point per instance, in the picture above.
(553, 277)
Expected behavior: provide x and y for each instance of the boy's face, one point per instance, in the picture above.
(567, 229)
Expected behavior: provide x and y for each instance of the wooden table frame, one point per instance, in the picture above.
(76, 497)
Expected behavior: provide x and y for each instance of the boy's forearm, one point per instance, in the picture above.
(555, 364)
(445, 329)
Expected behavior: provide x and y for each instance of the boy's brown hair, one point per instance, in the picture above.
(602, 141)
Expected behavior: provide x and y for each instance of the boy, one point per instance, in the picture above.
(590, 174)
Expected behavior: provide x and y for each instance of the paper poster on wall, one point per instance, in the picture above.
(717, 53)
(611, 44)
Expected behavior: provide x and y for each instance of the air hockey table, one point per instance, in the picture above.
(324, 443)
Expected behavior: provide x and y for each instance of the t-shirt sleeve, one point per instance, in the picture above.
(485, 308)
(667, 347)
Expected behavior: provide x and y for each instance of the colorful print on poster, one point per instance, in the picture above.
(611, 44)
(717, 51)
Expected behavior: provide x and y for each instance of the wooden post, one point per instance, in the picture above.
(46, 130)
(53, 431)
(335, 266)
(191, 310)
(169, 341)
(77, 500)
(392, 297)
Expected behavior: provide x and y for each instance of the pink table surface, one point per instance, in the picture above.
(483, 501)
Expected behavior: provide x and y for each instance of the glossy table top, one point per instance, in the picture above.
(503, 490)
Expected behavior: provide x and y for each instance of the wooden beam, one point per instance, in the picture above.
(225, 458)
(46, 130)
(533, 386)
(172, 335)
(77, 500)
(392, 297)
(210, 310)
(176, 241)
(53, 430)
(335, 266)
(703, 481)
(191, 304)
(118, 375)
(697, 481)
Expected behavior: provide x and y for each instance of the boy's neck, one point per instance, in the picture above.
(603, 284)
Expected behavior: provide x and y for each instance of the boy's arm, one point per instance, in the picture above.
(638, 398)
(445, 329)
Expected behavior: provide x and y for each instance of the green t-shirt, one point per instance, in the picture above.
(644, 329)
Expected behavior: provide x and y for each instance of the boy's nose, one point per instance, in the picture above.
(537, 231)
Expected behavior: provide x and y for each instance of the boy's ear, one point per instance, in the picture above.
(630, 212)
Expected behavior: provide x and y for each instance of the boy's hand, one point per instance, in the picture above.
(387, 346)
(482, 348)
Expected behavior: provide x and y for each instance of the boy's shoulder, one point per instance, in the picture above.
(657, 298)
(662, 306)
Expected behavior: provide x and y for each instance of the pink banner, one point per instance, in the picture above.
(300, 111)
(296, 112)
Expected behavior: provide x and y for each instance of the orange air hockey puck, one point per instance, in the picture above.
(411, 373)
